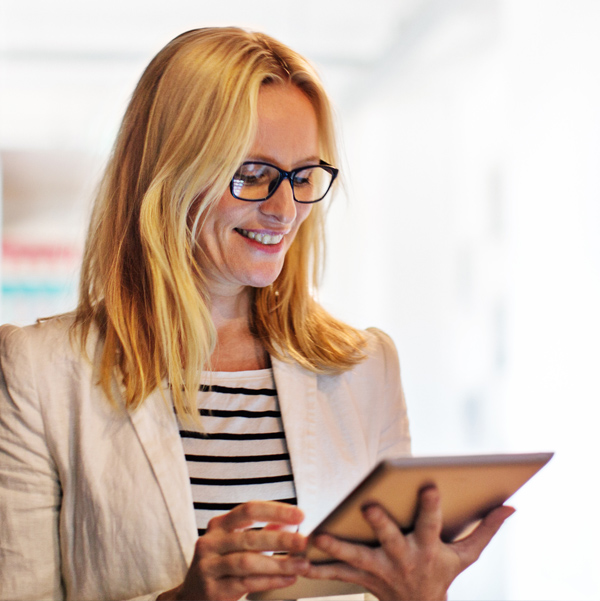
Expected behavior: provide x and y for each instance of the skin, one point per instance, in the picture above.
(229, 560)
(288, 137)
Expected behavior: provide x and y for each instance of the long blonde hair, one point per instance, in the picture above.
(189, 125)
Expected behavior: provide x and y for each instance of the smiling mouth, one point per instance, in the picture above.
(266, 239)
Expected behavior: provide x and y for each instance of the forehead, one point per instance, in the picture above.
(287, 129)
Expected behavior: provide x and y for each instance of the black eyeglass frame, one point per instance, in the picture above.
(290, 176)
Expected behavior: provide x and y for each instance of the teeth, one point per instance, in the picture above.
(266, 239)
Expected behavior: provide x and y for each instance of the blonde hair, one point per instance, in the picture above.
(190, 123)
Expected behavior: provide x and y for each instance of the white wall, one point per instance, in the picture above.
(472, 235)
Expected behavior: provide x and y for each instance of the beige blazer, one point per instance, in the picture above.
(95, 502)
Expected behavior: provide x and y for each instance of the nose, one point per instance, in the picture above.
(281, 206)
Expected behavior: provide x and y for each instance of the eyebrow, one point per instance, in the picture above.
(259, 157)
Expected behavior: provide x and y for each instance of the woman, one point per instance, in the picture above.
(126, 428)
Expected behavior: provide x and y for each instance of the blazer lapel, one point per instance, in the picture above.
(297, 391)
(156, 428)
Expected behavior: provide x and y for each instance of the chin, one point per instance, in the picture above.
(261, 283)
(262, 280)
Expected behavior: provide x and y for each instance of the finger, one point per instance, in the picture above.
(428, 525)
(246, 514)
(469, 549)
(356, 555)
(256, 564)
(256, 540)
(385, 529)
(339, 571)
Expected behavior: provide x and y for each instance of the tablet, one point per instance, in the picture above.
(470, 487)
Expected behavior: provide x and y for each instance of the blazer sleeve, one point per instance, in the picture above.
(29, 485)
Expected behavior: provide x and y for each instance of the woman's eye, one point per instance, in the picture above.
(252, 178)
(303, 179)
(247, 180)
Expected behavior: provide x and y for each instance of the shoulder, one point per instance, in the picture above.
(50, 336)
(46, 348)
(379, 370)
(381, 356)
(380, 344)
(47, 381)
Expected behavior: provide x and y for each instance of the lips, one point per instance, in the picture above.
(262, 238)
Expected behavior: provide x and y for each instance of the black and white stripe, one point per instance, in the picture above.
(242, 454)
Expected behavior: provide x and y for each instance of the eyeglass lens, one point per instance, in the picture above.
(256, 181)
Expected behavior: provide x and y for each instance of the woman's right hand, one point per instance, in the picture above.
(229, 560)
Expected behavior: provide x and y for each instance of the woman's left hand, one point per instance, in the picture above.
(412, 566)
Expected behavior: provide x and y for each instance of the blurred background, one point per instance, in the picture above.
(469, 226)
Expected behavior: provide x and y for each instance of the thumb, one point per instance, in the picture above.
(470, 548)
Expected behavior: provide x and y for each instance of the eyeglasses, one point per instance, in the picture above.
(255, 181)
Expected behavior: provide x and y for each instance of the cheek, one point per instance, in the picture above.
(302, 213)
(219, 224)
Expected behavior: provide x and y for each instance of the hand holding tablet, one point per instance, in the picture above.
(469, 486)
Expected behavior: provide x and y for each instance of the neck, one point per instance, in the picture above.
(237, 349)
(229, 309)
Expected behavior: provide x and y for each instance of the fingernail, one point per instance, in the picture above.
(371, 511)
(298, 565)
(298, 514)
(301, 563)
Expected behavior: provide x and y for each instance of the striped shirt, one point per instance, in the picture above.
(242, 454)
